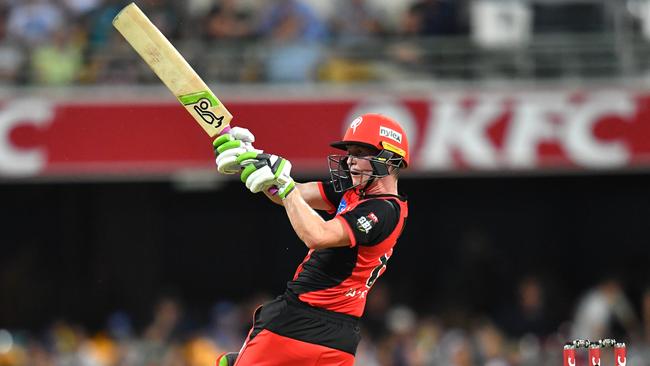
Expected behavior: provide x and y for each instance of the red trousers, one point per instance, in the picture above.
(270, 349)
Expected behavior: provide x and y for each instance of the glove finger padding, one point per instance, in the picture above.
(242, 134)
(227, 161)
(251, 161)
(262, 171)
(219, 141)
(229, 146)
(260, 180)
(257, 175)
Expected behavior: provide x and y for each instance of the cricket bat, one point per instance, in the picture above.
(172, 69)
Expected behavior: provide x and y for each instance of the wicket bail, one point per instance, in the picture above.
(620, 352)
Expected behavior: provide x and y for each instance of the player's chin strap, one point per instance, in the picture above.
(362, 190)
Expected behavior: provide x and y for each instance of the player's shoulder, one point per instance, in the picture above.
(386, 206)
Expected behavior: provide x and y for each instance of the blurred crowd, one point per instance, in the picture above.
(520, 333)
(64, 42)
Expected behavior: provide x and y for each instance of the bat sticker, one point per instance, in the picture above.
(202, 109)
(203, 101)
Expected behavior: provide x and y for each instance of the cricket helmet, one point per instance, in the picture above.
(379, 132)
(383, 135)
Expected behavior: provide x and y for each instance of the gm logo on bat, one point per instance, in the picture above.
(202, 102)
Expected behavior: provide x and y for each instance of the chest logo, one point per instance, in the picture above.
(366, 223)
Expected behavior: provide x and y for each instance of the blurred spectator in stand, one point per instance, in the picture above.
(166, 15)
(427, 340)
(36, 354)
(398, 347)
(100, 23)
(528, 314)
(433, 18)
(80, 8)
(65, 340)
(228, 20)
(119, 330)
(490, 344)
(295, 31)
(226, 326)
(59, 62)
(639, 349)
(35, 21)
(166, 321)
(605, 312)
(355, 25)
(423, 19)
(159, 344)
(355, 22)
(114, 64)
(199, 351)
(455, 349)
(228, 23)
(12, 56)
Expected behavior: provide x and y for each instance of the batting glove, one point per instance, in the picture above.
(229, 146)
(264, 171)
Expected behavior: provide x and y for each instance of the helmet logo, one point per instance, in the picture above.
(356, 123)
(390, 133)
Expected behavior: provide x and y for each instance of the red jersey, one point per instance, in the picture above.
(339, 279)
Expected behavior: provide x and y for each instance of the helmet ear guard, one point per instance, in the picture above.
(380, 163)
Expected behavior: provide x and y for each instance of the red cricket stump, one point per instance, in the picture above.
(594, 354)
(569, 355)
(620, 354)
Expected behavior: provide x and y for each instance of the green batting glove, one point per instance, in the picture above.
(229, 146)
(264, 171)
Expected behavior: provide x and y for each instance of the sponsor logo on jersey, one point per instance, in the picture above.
(356, 123)
(390, 133)
(365, 223)
(342, 206)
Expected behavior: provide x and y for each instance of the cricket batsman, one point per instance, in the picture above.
(316, 320)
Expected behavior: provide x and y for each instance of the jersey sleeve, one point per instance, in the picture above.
(331, 197)
(371, 222)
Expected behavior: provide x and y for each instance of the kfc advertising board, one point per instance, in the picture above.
(449, 132)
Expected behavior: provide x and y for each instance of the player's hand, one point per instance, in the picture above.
(229, 146)
(263, 171)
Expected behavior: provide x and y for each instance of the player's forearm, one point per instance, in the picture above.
(309, 226)
(274, 198)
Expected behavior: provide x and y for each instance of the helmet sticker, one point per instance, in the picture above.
(356, 123)
(393, 148)
(390, 133)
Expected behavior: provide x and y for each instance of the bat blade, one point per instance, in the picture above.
(172, 69)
